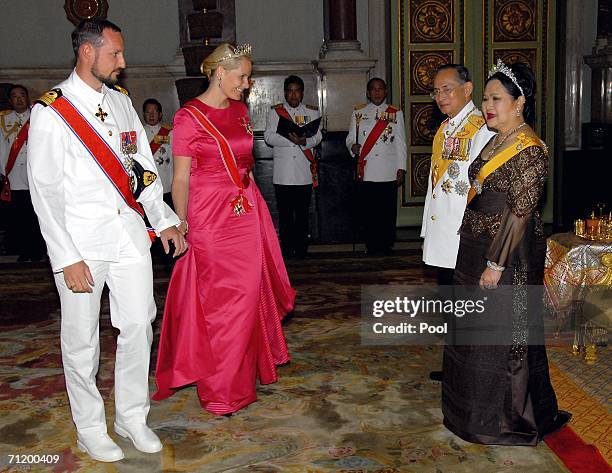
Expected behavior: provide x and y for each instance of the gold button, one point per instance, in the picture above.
(110, 133)
(433, 217)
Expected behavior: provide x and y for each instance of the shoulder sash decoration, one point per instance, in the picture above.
(100, 151)
(371, 141)
(239, 204)
(314, 168)
(155, 145)
(20, 139)
(499, 160)
(439, 164)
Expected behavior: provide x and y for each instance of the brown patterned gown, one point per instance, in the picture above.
(501, 393)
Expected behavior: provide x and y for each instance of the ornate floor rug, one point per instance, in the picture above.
(338, 406)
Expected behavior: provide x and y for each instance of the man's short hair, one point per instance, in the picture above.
(374, 79)
(151, 102)
(462, 72)
(293, 80)
(90, 31)
(18, 86)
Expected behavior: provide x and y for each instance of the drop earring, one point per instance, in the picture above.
(518, 112)
(219, 81)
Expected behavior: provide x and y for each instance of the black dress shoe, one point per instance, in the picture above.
(560, 421)
(435, 375)
(229, 414)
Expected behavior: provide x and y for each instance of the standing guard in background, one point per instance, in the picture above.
(377, 139)
(295, 167)
(23, 231)
(160, 140)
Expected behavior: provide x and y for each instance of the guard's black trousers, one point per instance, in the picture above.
(378, 204)
(293, 204)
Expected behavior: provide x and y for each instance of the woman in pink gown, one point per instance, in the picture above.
(222, 320)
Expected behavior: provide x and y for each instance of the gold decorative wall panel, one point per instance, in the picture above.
(423, 66)
(419, 166)
(515, 20)
(510, 56)
(431, 21)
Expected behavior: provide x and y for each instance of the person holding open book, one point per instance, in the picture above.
(292, 130)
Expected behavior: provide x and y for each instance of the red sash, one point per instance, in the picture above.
(239, 204)
(20, 139)
(282, 112)
(163, 131)
(100, 151)
(371, 141)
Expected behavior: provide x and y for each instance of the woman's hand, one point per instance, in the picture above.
(489, 278)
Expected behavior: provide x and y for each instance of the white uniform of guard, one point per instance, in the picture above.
(83, 217)
(163, 156)
(445, 204)
(10, 124)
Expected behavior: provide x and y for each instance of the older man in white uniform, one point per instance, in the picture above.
(457, 143)
(85, 141)
(160, 140)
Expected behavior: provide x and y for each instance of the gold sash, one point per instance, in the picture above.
(439, 164)
(522, 142)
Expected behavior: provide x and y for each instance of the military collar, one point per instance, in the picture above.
(153, 128)
(290, 108)
(85, 91)
(462, 114)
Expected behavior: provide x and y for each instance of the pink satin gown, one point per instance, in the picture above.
(227, 295)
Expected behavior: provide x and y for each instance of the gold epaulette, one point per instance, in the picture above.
(278, 105)
(167, 126)
(312, 107)
(360, 106)
(118, 88)
(49, 97)
(477, 120)
(394, 108)
(5, 112)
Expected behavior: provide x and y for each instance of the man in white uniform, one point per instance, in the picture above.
(295, 168)
(457, 143)
(160, 140)
(23, 232)
(96, 235)
(377, 137)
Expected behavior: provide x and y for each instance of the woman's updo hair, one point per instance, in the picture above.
(225, 55)
(526, 80)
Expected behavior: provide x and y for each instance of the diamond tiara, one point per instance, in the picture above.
(238, 51)
(505, 70)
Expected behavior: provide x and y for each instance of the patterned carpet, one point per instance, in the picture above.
(338, 406)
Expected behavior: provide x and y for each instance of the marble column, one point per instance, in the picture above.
(343, 67)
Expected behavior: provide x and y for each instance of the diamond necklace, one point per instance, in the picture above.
(499, 145)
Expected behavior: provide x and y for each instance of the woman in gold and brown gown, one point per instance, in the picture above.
(501, 393)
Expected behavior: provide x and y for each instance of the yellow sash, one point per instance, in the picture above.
(522, 142)
(439, 164)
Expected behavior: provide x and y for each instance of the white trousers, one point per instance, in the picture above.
(132, 309)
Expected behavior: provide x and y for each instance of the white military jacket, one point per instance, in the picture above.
(82, 216)
(389, 152)
(291, 168)
(445, 205)
(10, 124)
(163, 156)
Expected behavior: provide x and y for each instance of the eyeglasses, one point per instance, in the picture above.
(443, 91)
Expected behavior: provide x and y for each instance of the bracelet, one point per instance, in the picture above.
(494, 266)
(186, 225)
